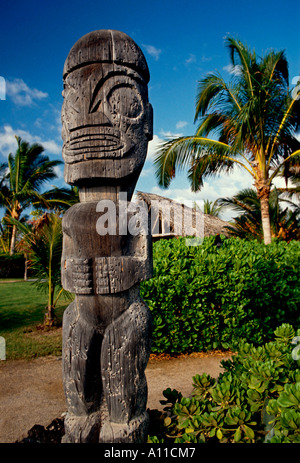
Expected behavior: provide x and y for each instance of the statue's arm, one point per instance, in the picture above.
(115, 274)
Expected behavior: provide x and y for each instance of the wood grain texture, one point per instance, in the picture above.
(107, 124)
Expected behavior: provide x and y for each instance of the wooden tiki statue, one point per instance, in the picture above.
(107, 124)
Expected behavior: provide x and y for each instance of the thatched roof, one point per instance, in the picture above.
(171, 218)
(215, 226)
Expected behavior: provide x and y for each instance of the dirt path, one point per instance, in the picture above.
(31, 392)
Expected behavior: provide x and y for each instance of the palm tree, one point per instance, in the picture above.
(250, 122)
(42, 241)
(209, 207)
(284, 221)
(21, 180)
(212, 208)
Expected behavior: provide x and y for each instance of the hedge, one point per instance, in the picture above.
(204, 297)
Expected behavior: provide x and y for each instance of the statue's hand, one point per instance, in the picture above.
(77, 275)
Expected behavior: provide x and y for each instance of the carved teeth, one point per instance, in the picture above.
(95, 141)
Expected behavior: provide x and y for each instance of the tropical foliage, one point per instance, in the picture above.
(21, 182)
(256, 398)
(42, 241)
(250, 122)
(212, 208)
(284, 221)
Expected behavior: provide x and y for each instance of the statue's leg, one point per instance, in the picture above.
(124, 357)
(81, 375)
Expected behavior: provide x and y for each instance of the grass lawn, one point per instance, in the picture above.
(22, 309)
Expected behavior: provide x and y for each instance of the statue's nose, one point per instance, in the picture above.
(100, 114)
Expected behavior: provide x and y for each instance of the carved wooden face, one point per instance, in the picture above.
(107, 122)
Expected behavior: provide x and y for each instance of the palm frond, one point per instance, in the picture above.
(61, 198)
(39, 172)
(245, 200)
(200, 155)
(274, 65)
(212, 208)
(205, 165)
(242, 56)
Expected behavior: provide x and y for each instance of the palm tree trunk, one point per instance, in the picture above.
(13, 240)
(51, 287)
(263, 192)
(49, 316)
(50, 307)
(265, 218)
(26, 268)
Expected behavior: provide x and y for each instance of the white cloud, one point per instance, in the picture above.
(8, 143)
(50, 145)
(191, 59)
(279, 182)
(153, 51)
(21, 94)
(38, 123)
(153, 146)
(157, 140)
(180, 195)
(170, 134)
(205, 59)
(59, 172)
(147, 172)
(233, 69)
(227, 185)
(181, 124)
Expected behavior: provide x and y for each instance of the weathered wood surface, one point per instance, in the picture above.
(107, 124)
(107, 119)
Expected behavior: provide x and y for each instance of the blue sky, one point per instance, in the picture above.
(182, 42)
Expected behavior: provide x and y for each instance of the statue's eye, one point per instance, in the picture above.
(125, 100)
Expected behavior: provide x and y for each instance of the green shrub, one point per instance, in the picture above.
(205, 297)
(256, 399)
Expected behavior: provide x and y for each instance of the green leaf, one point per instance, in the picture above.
(287, 401)
(212, 432)
(167, 421)
(189, 430)
(249, 432)
(219, 434)
(237, 435)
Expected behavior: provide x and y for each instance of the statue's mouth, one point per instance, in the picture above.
(95, 142)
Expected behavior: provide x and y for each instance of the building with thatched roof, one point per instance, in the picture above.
(170, 218)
